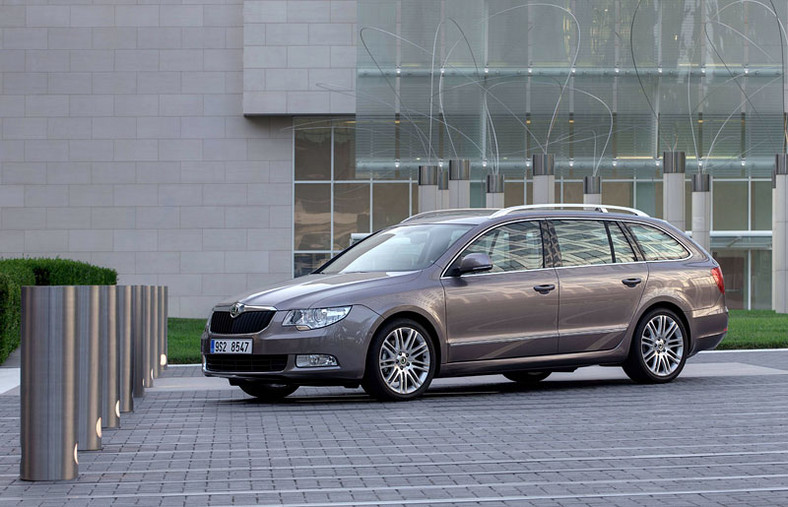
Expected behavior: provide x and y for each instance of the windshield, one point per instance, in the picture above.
(402, 248)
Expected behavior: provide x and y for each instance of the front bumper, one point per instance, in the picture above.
(274, 350)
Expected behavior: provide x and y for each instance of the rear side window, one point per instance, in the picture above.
(582, 242)
(657, 245)
(511, 247)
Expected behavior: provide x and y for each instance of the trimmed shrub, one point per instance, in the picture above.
(14, 273)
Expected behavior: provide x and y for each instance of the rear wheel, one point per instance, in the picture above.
(267, 391)
(401, 361)
(527, 377)
(659, 348)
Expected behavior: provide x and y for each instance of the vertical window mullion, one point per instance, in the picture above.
(331, 197)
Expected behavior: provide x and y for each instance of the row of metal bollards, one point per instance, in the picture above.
(87, 352)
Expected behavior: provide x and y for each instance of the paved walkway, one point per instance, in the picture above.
(717, 435)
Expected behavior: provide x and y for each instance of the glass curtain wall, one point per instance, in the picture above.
(606, 86)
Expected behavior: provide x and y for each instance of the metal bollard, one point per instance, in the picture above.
(165, 325)
(138, 340)
(88, 418)
(48, 425)
(109, 358)
(154, 331)
(147, 368)
(162, 329)
(125, 347)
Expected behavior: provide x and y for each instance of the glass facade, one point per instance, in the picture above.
(606, 86)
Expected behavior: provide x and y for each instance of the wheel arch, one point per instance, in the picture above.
(668, 305)
(422, 321)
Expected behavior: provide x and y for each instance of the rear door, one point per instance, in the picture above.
(601, 282)
(510, 311)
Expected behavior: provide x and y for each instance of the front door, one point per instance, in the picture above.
(509, 311)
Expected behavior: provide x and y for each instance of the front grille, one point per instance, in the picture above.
(245, 323)
(245, 363)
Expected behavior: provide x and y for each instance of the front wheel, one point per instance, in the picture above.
(659, 348)
(267, 391)
(401, 361)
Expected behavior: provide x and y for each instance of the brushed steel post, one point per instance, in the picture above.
(109, 361)
(162, 327)
(88, 418)
(48, 390)
(165, 348)
(147, 367)
(125, 347)
(154, 331)
(138, 339)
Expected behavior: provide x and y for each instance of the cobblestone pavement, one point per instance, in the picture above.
(716, 436)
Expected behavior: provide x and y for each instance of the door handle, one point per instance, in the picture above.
(631, 282)
(544, 288)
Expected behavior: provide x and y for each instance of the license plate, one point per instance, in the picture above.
(231, 346)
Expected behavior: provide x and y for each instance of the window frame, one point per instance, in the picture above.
(641, 252)
(540, 222)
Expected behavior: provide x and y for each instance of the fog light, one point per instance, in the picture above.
(315, 360)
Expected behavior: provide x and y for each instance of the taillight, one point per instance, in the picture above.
(716, 273)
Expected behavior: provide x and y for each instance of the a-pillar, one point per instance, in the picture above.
(701, 209)
(673, 169)
(592, 190)
(495, 190)
(544, 178)
(459, 183)
(780, 234)
(428, 188)
(443, 189)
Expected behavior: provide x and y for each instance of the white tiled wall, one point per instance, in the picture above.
(123, 140)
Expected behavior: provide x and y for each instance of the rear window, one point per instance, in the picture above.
(657, 245)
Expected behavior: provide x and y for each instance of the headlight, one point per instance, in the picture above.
(315, 318)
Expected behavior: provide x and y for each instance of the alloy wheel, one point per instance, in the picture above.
(662, 345)
(404, 360)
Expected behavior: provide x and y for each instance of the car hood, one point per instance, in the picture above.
(322, 290)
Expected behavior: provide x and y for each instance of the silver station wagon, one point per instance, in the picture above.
(521, 291)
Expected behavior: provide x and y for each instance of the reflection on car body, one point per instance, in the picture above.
(522, 291)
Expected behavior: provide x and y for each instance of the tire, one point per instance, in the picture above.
(267, 391)
(527, 377)
(659, 348)
(401, 361)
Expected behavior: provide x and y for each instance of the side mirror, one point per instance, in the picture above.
(474, 263)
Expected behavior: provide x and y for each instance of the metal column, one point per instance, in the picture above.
(443, 189)
(701, 209)
(673, 169)
(165, 342)
(780, 234)
(147, 364)
(459, 183)
(109, 359)
(125, 347)
(48, 423)
(428, 188)
(88, 399)
(544, 178)
(162, 334)
(592, 190)
(154, 331)
(495, 187)
(138, 341)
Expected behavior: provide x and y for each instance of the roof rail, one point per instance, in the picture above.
(451, 212)
(604, 208)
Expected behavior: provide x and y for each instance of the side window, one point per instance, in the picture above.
(657, 245)
(621, 247)
(582, 242)
(511, 247)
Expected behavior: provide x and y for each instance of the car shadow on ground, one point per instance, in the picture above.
(358, 396)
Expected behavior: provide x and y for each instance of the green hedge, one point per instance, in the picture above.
(14, 273)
